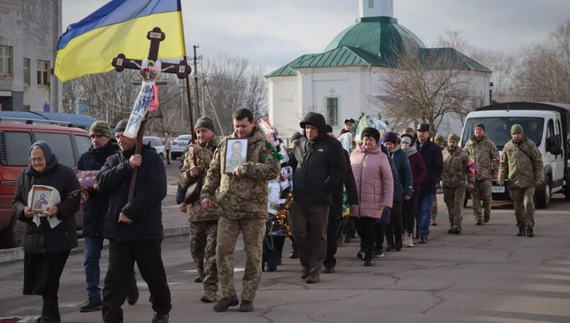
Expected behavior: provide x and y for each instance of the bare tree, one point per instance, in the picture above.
(424, 86)
(544, 73)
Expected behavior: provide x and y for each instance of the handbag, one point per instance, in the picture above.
(385, 219)
(193, 191)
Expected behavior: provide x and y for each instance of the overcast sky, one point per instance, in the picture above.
(271, 33)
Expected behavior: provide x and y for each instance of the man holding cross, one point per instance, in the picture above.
(134, 227)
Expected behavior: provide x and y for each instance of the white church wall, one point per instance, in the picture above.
(283, 104)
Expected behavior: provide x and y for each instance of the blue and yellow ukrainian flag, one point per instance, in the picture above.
(121, 26)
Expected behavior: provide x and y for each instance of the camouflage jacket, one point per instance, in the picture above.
(203, 158)
(455, 163)
(522, 163)
(243, 196)
(485, 155)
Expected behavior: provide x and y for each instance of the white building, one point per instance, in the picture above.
(343, 81)
(29, 31)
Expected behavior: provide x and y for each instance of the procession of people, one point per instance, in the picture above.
(385, 184)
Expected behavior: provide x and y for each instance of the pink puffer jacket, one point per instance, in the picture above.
(374, 181)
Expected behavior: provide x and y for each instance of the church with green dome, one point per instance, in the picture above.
(343, 81)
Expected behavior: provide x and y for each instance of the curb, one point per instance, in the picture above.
(16, 254)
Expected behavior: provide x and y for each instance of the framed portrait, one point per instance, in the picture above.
(236, 153)
(40, 198)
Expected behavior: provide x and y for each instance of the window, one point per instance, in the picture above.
(83, 144)
(5, 61)
(43, 73)
(27, 108)
(26, 71)
(17, 145)
(332, 111)
(61, 146)
(499, 129)
(370, 4)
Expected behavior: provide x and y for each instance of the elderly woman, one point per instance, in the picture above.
(47, 245)
(375, 185)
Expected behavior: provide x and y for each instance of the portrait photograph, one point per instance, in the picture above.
(236, 153)
(40, 198)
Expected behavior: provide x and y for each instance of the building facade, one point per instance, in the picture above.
(347, 79)
(29, 31)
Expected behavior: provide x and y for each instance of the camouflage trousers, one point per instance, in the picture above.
(203, 241)
(481, 193)
(523, 200)
(434, 208)
(253, 231)
(453, 198)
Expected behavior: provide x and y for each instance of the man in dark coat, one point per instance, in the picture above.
(134, 228)
(335, 211)
(433, 160)
(94, 216)
(319, 167)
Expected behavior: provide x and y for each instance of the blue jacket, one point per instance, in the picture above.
(405, 179)
(394, 172)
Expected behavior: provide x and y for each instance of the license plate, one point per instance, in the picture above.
(497, 189)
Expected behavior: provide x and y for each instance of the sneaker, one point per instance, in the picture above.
(246, 306)
(409, 241)
(369, 262)
(209, 296)
(133, 296)
(378, 253)
(160, 318)
(92, 304)
(224, 303)
(198, 279)
(314, 277)
(305, 273)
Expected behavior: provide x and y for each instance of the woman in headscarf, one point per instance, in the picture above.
(47, 243)
(375, 185)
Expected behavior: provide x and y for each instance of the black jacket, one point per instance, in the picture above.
(96, 206)
(350, 184)
(319, 165)
(145, 208)
(44, 239)
(433, 160)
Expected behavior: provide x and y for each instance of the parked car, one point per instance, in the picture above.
(157, 144)
(67, 142)
(179, 146)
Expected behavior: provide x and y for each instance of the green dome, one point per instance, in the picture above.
(379, 36)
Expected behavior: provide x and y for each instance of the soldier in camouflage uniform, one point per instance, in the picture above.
(455, 170)
(485, 155)
(441, 143)
(244, 192)
(521, 163)
(203, 225)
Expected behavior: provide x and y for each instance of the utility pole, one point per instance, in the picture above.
(196, 58)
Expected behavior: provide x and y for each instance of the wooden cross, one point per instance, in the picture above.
(182, 69)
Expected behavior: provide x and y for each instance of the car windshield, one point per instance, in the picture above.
(498, 129)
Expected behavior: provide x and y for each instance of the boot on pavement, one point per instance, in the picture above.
(92, 304)
(160, 318)
(522, 232)
(209, 296)
(246, 306)
(133, 295)
(224, 303)
(314, 277)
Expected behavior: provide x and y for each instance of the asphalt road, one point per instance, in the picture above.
(486, 274)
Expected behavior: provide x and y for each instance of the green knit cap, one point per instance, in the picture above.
(438, 139)
(517, 128)
(453, 137)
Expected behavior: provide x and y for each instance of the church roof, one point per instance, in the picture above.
(375, 41)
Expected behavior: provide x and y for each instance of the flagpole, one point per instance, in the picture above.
(187, 78)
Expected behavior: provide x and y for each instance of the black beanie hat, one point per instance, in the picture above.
(369, 131)
(391, 137)
(122, 125)
(205, 122)
(329, 128)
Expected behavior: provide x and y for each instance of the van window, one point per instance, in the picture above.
(17, 148)
(60, 145)
(499, 129)
(83, 144)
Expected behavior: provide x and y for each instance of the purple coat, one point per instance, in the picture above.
(374, 181)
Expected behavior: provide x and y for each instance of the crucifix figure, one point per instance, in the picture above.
(147, 99)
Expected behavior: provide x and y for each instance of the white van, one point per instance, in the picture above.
(544, 123)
